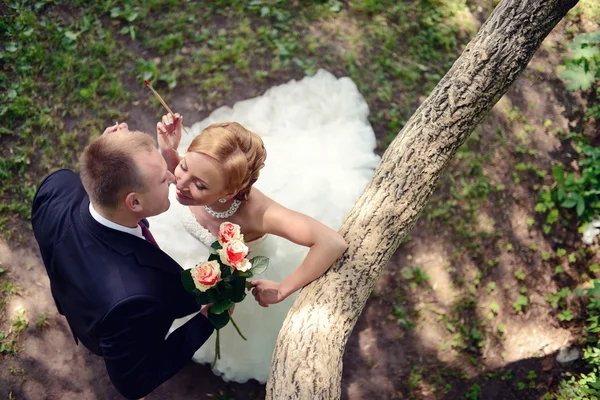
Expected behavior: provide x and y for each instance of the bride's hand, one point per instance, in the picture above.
(122, 126)
(267, 292)
(168, 132)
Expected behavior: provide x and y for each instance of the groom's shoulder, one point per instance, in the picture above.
(60, 183)
(61, 178)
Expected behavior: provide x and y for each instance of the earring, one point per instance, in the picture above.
(222, 200)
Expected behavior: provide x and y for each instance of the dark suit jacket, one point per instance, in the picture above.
(119, 293)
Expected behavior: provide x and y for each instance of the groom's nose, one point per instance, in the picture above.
(171, 177)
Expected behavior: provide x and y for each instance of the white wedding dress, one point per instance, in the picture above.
(320, 156)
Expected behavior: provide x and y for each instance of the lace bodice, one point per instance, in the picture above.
(191, 224)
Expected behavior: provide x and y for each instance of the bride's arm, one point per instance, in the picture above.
(168, 133)
(326, 246)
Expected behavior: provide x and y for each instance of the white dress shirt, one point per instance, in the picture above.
(137, 231)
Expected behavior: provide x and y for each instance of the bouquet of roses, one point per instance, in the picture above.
(222, 279)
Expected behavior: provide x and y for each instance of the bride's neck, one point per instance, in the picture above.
(220, 207)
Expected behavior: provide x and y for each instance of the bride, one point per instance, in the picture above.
(320, 159)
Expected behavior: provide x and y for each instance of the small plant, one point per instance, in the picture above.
(533, 247)
(474, 392)
(521, 302)
(494, 307)
(9, 288)
(585, 385)
(558, 299)
(520, 275)
(8, 344)
(41, 322)
(507, 376)
(576, 190)
(583, 68)
(530, 221)
(566, 315)
(20, 321)
(16, 371)
(415, 379)
(416, 275)
(501, 328)
(402, 317)
(128, 15)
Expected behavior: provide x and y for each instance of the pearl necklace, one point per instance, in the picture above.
(224, 214)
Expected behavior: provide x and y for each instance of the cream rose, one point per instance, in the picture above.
(244, 266)
(206, 275)
(229, 232)
(233, 254)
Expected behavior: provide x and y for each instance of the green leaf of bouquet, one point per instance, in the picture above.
(249, 285)
(222, 306)
(206, 297)
(239, 290)
(214, 257)
(232, 276)
(188, 281)
(225, 290)
(218, 320)
(225, 272)
(215, 246)
(259, 265)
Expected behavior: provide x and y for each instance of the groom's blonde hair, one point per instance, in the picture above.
(108, 168)
(241, 153)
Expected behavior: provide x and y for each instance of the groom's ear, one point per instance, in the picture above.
(132, 202)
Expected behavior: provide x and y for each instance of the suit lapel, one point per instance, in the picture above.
(145, 252)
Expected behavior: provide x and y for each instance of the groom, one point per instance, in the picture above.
(119, 292)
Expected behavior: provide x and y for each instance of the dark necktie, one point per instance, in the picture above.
(147, 234)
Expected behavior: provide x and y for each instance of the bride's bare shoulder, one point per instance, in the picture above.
(258, 201)
(256, 205)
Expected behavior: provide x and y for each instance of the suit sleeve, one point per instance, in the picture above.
(47, 212)
(138, 358)
(56, 185)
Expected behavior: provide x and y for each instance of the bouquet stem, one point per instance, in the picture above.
(217, 350)
(237, 328)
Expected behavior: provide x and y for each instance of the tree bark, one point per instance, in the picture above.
(307, 362)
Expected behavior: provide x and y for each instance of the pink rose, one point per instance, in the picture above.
(206, 275)
(233, 254)
(229, 232)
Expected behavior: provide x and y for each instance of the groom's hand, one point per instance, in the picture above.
(267, 292)
(204, 309)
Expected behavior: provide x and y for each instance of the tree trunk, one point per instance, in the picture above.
(307, 362)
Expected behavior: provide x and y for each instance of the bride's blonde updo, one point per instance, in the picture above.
(241, 153)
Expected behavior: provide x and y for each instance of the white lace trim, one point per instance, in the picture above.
(191, 224)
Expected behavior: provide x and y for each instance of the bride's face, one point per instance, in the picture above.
(199, 180)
